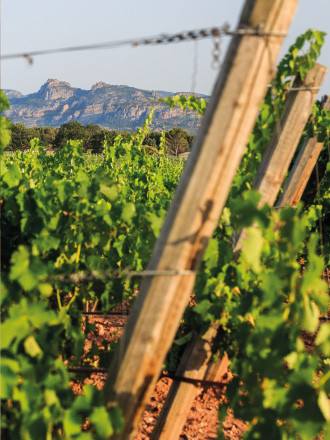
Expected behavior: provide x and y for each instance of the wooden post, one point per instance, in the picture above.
(282, 146)
(302, 169)
(195, 362)
(278, 156)
(196, 207)
(193, 365)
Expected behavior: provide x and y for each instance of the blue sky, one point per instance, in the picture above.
(41, 24)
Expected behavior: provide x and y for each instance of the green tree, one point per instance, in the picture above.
(73, 130)
(92, 130)
(176, 142)
(20, 137)
(97, 140)
(190, 138)
(153, 139)
(45, 134)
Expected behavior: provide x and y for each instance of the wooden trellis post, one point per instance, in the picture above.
(302, 169)
(283, 144)
(195, 363)
(276, 161)
(196, 207)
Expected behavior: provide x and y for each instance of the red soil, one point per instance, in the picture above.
(202, 421)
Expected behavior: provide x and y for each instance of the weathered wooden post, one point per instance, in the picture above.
(283, 144)
(197, 205)
(302, 169)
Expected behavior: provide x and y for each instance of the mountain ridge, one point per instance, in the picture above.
(110, 106)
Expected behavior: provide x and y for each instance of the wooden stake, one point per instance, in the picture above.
(194, 364)
(302, 169)
(283, 144)
(180, 397)
(278, 156)
(196, 361)
(196, 207)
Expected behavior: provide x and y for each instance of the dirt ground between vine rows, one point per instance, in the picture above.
(202, 421)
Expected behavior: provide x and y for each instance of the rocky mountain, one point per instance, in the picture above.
(111, 106)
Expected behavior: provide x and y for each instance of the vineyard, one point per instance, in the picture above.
(83, 235)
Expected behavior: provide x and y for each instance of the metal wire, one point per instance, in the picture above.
(160, 39)
(216, 53)
(82, 277)
(299, 89)
(195, 68)
(197, 382)
(106, 313)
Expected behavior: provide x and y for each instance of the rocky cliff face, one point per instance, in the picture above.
(54, 90)
(115, 107)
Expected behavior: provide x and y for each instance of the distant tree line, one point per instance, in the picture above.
(92, 137)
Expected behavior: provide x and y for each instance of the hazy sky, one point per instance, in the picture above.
(43, 24)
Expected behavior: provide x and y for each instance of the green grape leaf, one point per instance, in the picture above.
(101, 422)
(13, 175)
(156, 222)
(310, 315)
(324, 405)
(72, 423)
(20, 262)
(128, 213)
(13, 328)
(45, 289)
(110, 192)
(32, 347)
(252, 247)
(82, 404)
(9, 376)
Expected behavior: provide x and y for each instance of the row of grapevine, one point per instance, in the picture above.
(64, 214)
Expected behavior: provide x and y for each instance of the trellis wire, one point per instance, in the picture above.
(107, 313)
(82, 277)
(160, 39)
(195, 67)
(197, 382)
